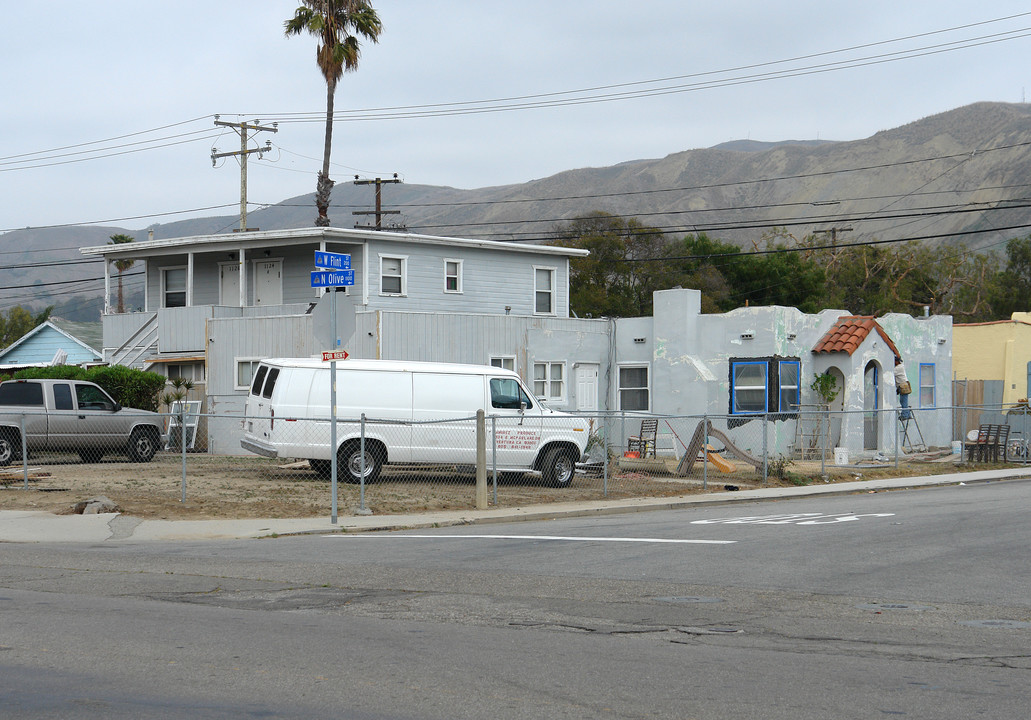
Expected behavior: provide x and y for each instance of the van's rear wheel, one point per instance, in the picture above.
(349, 461)
(559, 467)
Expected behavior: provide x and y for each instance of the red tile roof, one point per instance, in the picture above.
(849, 332)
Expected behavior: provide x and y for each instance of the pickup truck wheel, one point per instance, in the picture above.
(142, 445)
(91, 456)
(349, 463)
(7, 448)
(559, 467)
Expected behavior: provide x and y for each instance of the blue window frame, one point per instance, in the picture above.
(765, 385)
(927, 398)
(789, 373)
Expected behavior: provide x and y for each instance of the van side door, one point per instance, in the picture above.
(518, 424)
(444, 409)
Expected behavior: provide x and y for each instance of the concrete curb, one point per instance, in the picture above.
(34, 527)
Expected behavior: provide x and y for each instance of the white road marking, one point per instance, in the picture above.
(792, 519)
(538, 537)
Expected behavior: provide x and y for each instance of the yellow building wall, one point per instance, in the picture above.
(994, 351)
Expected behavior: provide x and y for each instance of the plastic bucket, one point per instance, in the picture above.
(840, 456)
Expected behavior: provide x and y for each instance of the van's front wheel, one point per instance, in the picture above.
(559, 467)
(350, 460)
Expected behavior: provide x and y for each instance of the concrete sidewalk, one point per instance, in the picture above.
(32, 527)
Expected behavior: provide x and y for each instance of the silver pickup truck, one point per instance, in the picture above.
(73, 416)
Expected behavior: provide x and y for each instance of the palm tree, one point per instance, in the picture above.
(336, 23)
(121, 266)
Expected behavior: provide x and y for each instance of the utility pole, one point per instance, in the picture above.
(379, 212)
(243, 128)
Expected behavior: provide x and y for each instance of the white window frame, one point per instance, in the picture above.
(549, 380)
(237, 362)
(163, 272)
(619, 384)
(552, 290)
(404, 275)
(505, 362)
(457, 276)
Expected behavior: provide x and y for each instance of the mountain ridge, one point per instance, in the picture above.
(896, 183)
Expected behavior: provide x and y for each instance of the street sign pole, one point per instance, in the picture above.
(333, 405)
(335, 270)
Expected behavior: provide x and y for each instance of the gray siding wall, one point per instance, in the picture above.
(491, 279)
(475, 339)
(234, 338)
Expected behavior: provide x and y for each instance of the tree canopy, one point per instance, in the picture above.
(629, 261)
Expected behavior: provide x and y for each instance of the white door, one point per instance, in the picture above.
(268, 282)
(229, 284)
(587, 388)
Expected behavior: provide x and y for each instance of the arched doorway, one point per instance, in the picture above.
(871, 404)
(836, 406)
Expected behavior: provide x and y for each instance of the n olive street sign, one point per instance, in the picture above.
(327, 278)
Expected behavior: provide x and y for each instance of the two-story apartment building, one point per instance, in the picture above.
(218, 304)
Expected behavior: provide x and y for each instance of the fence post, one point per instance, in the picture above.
(705, 452)
(494, 446)
(896, 414)
(481, 461)
(361, 469)
(826, 440)
(24, 453)
(605, 466)
(1024, 446)
(182, 443)
(766, 451)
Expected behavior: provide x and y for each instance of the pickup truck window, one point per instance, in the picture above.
(91, 397)
(63, 397)
(21, 393)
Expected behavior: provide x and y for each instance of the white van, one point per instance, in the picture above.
(287, 416)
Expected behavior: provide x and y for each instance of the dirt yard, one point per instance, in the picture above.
(231, 487)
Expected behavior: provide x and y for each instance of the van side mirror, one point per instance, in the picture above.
(522, 406)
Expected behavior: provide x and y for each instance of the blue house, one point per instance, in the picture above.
(55, 342)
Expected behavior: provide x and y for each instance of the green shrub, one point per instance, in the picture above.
(129, 387)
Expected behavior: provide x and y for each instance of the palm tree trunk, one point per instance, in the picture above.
(121, 305)
(325, 186)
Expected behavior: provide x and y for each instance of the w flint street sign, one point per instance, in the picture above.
(332, 261)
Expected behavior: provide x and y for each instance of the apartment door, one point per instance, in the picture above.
(587, 387)
(229, 284)
(268, 282)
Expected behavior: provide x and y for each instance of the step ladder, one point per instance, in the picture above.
(909, 429)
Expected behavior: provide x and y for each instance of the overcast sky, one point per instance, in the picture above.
(108, 106)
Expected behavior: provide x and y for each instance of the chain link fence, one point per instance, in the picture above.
(431, 463)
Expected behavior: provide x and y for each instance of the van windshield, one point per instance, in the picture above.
(507, 393)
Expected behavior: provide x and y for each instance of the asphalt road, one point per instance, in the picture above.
(910, 604)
